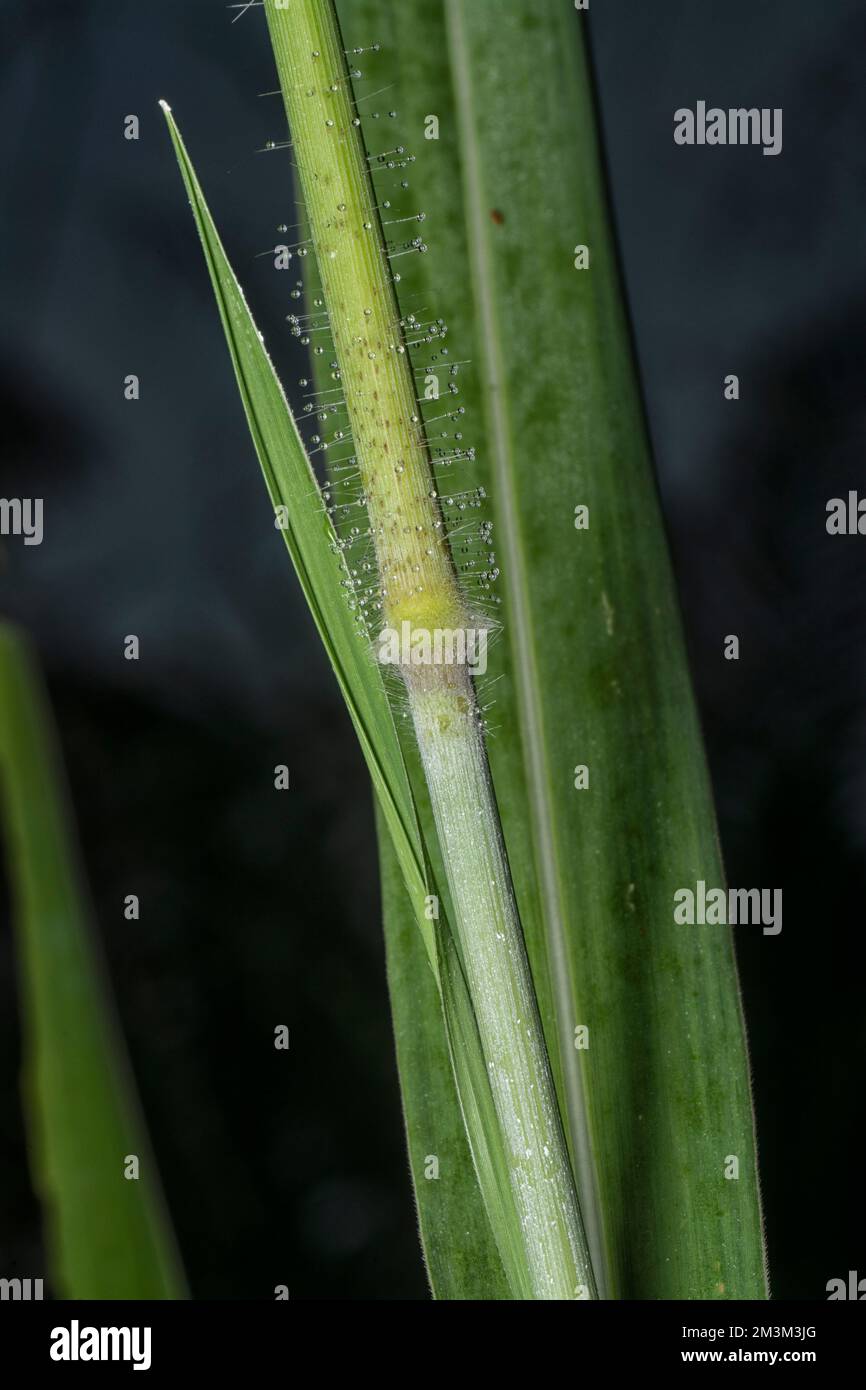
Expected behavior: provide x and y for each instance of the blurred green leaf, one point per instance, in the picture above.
(107, 1236)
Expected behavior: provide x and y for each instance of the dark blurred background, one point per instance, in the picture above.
(289, 1168)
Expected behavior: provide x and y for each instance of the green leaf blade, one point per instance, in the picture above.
(107, 1237)
(307, 531)
(591, 668)
(447, 1195)
(476, 1273)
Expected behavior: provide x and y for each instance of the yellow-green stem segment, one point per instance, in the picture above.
(415, 569)
(418, 583)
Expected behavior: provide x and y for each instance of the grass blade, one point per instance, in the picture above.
(591, 670)
(447, 1193)
(311, 539)
(107, 1236)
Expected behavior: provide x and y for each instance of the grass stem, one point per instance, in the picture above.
(418, 584)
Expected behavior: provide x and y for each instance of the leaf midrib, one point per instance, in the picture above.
(525, 666)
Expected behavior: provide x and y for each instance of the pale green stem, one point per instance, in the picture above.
(500, 984)
(419, 585)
